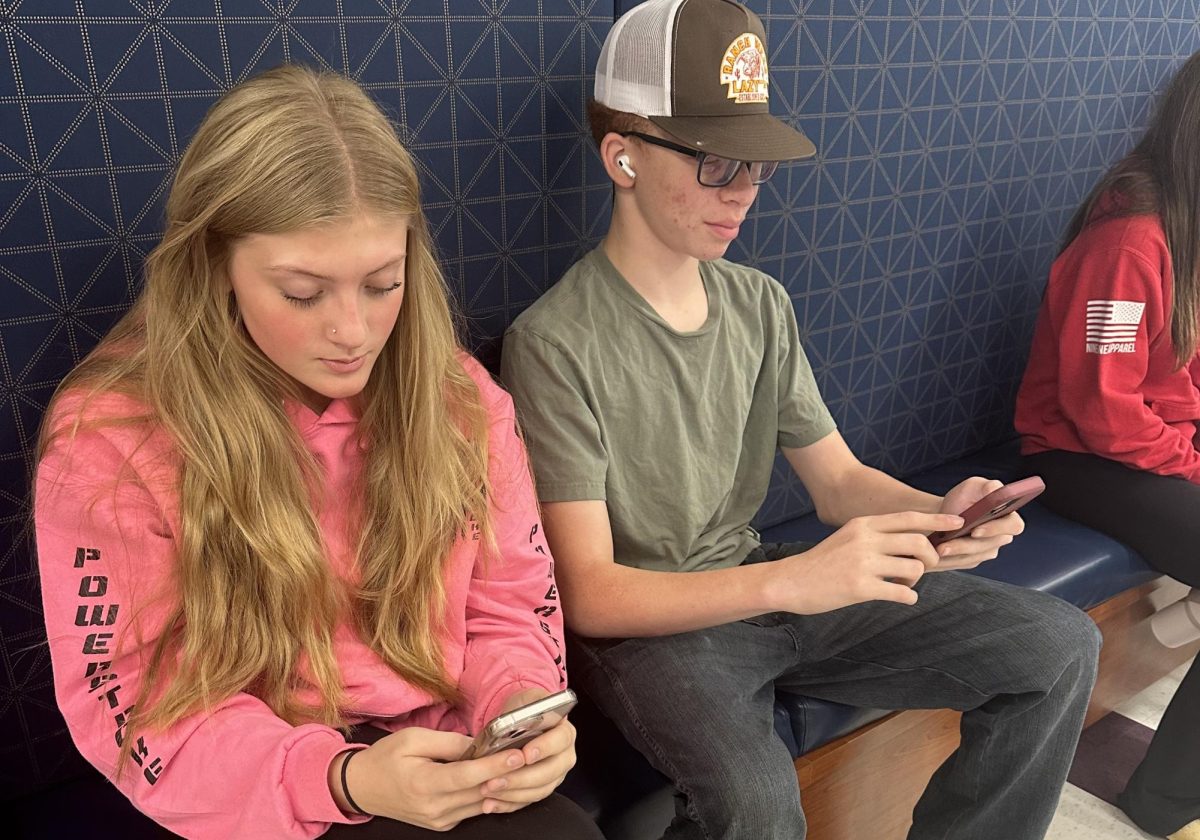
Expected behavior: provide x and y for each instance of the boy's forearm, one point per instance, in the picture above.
(870, 492)
(619, 601)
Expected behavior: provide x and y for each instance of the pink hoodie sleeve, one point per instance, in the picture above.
(514, 623)
(105, 555)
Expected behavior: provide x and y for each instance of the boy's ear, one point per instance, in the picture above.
(614, 146)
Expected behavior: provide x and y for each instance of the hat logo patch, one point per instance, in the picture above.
(744, 69)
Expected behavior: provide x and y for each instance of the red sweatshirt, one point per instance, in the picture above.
(107, 521)
(1102, 376)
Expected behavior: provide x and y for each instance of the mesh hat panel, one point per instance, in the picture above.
(640, 83)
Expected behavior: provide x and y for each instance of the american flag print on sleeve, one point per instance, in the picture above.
(1112, 326)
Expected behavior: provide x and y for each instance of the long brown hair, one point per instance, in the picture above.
(1162, 176)
(257, 604)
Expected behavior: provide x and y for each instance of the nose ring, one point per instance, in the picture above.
(333, 331)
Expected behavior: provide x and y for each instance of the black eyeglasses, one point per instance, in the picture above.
(711, 170)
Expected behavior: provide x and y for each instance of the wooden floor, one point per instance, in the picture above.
(865, 784)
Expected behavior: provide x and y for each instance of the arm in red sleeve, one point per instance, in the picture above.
(1194, 372)
(105, 555)
(513, 622)
(1108, 310)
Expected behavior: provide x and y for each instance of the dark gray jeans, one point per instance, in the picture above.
(1020, 664)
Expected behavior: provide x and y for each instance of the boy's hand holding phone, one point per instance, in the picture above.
(989, 525)
(870, 558)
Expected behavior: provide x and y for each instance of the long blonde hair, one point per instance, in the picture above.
(257, 603)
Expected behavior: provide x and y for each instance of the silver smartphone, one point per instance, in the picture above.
(520, 726)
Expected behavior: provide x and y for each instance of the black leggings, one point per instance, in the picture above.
(554, 817)
(1158, 517)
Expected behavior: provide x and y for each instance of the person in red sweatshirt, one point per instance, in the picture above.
(1109, 407)
(289, 549)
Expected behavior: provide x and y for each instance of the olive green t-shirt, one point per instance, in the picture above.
(675, 431)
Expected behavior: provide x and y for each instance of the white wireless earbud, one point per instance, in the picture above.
(623, 165)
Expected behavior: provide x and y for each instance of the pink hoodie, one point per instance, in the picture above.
(107, 520)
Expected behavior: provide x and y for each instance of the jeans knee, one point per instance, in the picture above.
(1087, 638)
(759, 806)
(1072, 643)
(1095, 639)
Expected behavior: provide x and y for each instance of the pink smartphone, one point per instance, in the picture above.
(998, 503)
(521, 725)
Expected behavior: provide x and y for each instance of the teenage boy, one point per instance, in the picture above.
(655, 381)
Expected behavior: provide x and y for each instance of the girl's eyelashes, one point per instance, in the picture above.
(376, 290)
(303, 302)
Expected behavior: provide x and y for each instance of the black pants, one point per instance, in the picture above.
(1159, 518)
(554, 818)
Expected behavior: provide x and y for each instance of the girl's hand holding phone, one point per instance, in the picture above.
(415, 776)
(419, 776)
(547, 758)
(990, 525)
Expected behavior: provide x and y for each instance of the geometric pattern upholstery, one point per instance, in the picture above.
(954, 138)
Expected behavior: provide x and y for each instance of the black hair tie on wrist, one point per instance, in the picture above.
(346, 790)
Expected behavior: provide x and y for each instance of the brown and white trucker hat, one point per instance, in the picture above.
(698, 70)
